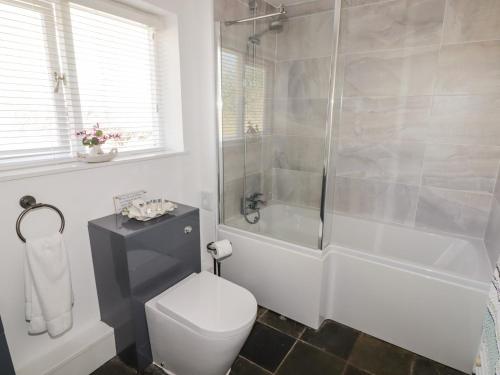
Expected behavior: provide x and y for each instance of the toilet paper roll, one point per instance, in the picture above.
(222, 249)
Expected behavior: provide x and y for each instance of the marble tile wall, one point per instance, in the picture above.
(303, 64)
(418, 138)
(492, 237)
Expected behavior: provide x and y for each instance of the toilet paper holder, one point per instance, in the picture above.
(217, 262)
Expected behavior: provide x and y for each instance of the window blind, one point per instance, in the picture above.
(65, 67)
(243, 95)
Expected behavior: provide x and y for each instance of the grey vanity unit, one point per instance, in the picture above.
(135, 261)
(6, 367)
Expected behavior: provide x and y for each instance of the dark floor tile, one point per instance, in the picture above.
(260, 311)
(350, 370)
(243, 366)
(285, 325)
(114, 367)
(306, 359)
(379, 357)
(333, 337)
(153, 370)
(266, 346)
(425, 366)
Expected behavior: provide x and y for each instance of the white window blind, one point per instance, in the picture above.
(65, 67)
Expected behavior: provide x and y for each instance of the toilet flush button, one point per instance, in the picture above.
(188, 229)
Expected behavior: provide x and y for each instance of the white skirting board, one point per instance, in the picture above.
(80, 356)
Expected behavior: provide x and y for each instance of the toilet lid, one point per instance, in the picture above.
(209, 305)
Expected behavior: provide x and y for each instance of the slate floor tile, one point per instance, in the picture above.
(260, 311)
(285, 325)
(333, 337)
(379, 357)
(306, 359)
(424, 366)
(266, 346)
(244, 367)
(350, 370)
(114, 367)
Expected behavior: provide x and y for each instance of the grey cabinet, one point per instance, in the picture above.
(135, 261)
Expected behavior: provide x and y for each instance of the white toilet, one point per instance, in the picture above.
(198, 326)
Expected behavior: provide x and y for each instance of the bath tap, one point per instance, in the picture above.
(254, 202)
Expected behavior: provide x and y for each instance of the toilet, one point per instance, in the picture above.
(198, 326)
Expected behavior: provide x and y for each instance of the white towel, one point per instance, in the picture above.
(48, 289)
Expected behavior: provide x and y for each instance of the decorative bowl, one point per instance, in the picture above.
(98, 158)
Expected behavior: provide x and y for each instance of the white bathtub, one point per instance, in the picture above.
(292, 224)
(424, 292)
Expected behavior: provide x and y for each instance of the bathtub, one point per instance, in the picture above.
(422, 291)
(288, 223)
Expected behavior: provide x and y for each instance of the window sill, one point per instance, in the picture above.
(73, 166)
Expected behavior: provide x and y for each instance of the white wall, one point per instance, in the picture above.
(87, 194)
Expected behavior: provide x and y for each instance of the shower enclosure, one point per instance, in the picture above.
(275, 73)
(369, 130)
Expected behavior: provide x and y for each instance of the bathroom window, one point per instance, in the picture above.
(65, 66)
(243, 95)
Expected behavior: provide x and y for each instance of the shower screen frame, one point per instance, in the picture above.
(327, 186)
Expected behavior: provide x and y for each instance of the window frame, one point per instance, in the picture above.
(62, 59)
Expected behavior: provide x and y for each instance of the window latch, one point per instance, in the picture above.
(58, 78)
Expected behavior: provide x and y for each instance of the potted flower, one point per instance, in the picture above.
(95, 138)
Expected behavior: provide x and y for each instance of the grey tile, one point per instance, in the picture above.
(297, 187)
(376, 200)
(260, 311)
(492, 236)
(472, 20)
(235, 37)
(304, 117)
(233, 191)
(306, 37)
(307, 79)
(406, 72)
(385, 119)
(471, 68)
(115, 366)
(391, 25)
(332, 337)
(299, 153)
(243, 366)
(462, 167)
(266, 347)
(309, 7)
(350, 370)
(379, 357)
(466, 120)
(458, 212)
(152, 370)
(424, 366)
(306, 359)
(282, 324)
(233, 154)
(390, 162)
(353, 3)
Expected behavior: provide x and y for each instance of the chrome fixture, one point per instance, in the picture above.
(274, 26)
(29, 204)
(250, 207)
(281, 11)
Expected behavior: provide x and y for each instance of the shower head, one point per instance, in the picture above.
(275, 26)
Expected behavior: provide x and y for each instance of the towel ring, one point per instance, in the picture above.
(29, 203)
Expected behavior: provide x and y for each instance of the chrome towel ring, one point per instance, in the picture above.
(29, 203)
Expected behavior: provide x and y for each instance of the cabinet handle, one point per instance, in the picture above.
(188, 229)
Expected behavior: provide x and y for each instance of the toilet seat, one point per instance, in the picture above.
(209, 305)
